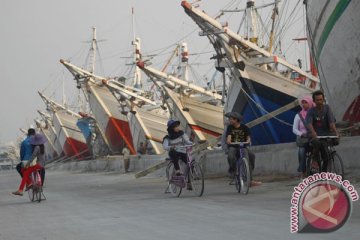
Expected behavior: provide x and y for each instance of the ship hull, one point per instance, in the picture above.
(50, 148)
(70, 137)
(113, 125)
(53, 138)
(148, 126)
(334, 32)
(275, 130)
(201, 121)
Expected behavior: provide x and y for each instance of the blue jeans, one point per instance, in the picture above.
(302, 159)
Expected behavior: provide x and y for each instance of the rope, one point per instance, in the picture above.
(66, 159)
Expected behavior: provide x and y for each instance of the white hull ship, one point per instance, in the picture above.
(50, 148)
(334, 31)
(147, 120)
(113, 125)
(199, 120)
(148, 126)
(53, 139)
(257, 89)
(69, 135)
(204, 121)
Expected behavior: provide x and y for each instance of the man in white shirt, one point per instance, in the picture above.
(126, 154)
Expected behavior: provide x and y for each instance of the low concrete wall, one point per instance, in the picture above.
(270, 159)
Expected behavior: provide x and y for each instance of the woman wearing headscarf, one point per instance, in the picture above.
(37, 162)
(176, 137)
(301, 132)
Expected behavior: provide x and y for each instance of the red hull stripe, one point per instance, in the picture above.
(204, 130)
(118, 131)
(352, 114)
(73, 147)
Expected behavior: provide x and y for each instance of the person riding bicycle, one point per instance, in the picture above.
(25, 150)
(238, 132)
(176, 137)
(38, 155)
(321, 122)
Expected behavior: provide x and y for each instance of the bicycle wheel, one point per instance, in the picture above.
(38, 187)
(35, 191)
(236, 178)
(31, 192)
(308, 164)
(311, 167)
(335, 164)
(197, 179)
(237, 182)
(173, 188)
(245, 176)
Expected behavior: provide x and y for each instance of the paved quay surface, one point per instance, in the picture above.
(117, 206)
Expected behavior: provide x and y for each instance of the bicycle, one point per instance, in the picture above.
(334, 164)
(242, 177)
(36, 190)
(193, 175)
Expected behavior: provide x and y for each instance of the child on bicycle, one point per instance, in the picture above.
(176, 137)
(238, 132)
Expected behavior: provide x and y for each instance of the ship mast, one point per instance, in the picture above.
(92, 52)
(137, 54)
(252, 31)
(184, 59)
(272, 32)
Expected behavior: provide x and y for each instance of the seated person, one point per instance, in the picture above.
(176, 137)
(238, 132)
(36, 162)
(321, 122)
(25, 150)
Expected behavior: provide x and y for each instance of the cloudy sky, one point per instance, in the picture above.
(36, 34)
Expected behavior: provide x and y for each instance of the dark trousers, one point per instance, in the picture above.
(175, 156)
(319, 147)
(42, 172)
(18, 169)
(233, 155)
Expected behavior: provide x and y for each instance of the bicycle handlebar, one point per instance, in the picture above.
(240, 144)
(322, 137)
(184, 146)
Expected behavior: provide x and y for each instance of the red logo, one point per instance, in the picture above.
(325, 207)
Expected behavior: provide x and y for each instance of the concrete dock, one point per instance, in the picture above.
(278, 159)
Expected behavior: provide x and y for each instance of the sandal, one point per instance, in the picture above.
(18, 193)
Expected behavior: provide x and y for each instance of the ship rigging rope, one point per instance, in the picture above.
(90, 57)
(161, 50)
(288, 22)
